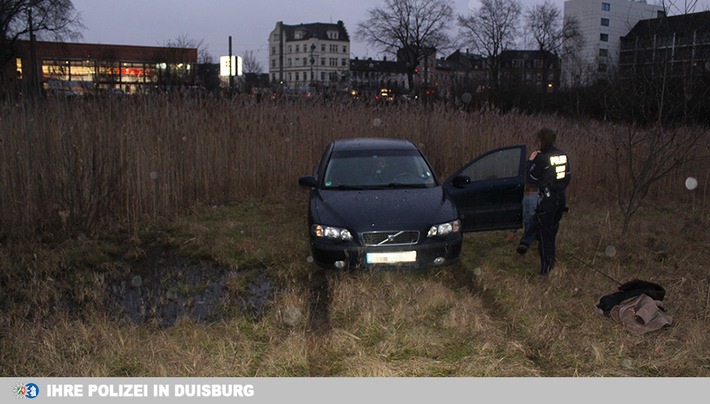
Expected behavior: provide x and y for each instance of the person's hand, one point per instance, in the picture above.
(534, 154)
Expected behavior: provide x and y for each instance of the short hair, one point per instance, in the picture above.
(547, 137)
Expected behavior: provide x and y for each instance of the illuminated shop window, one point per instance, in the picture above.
(18, 67)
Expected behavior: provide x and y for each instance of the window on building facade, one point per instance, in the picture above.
(334, 48)
(603, 52)
(322, 47)
(297, 76)
(322, 76)
(605, 22)
(273, 50)
(606, 7)
(538, 63)
(322, 61)
(604, 37)
(289, 62)
(289, 77)
(332, 61)
(344, 62)
(345, 49)
(298, 48)
(305, 61)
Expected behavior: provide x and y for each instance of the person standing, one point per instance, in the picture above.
(529, 232)
(548, 169)
(530, 198)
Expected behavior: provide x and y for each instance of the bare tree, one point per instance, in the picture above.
(204, 57)
(553, 35)
(55, 19)
(661, 96)
(408, 29)
(673, 7)
(643, 157)
(491, 30)
(550, 31)
(179, 74)
(250, 64)
(182, 42)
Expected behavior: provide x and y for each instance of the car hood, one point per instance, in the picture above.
(386, 209)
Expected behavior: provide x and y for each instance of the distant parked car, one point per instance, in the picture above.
(377, 201)
(385, 95)
(117, 93)
(63, 94)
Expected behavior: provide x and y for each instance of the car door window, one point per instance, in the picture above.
(492, 199)
(497, 165)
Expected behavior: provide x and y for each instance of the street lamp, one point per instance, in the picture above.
(313, 60)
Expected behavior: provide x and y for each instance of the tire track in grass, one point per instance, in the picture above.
(500, 315)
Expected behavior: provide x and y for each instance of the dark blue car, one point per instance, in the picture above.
(377, 201)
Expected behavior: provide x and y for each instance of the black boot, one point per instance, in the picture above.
(547, 266)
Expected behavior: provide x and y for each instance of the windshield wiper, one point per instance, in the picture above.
(347, 187)
(401, 185)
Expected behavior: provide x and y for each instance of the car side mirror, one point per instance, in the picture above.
(461, 181)
(308, 181)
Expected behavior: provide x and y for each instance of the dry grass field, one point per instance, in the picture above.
(165, 237)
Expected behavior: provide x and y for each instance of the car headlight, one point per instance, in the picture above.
(444, 229)
(332, 233)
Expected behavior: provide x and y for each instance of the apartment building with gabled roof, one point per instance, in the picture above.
(309, 55)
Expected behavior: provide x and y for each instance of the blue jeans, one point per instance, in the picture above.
(529, 206)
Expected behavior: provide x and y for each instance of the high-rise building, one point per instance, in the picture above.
(602, 23)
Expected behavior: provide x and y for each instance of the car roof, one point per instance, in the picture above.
(369, 143)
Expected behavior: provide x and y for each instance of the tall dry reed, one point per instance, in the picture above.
(78, 167)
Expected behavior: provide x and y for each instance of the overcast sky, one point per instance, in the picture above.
(248, 22)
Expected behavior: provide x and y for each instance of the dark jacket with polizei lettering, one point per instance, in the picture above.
(541, 172)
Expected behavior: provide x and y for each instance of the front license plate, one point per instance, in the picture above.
(391, 257)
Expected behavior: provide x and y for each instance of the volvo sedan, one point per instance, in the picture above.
(378, 202)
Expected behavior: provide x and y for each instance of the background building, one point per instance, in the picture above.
(671, 54)
(530, 71)
(369, 76)
(309, 55)
(602, 23)
(83, 68)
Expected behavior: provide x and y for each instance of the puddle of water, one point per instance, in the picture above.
(165, 287)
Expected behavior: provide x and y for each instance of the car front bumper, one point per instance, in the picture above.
(349, 256)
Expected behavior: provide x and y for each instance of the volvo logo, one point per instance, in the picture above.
(390, 238)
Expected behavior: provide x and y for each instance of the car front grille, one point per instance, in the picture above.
(382, 238)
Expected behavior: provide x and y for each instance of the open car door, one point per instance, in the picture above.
(488, 191)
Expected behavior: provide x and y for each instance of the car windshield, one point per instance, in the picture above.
(378, 169)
